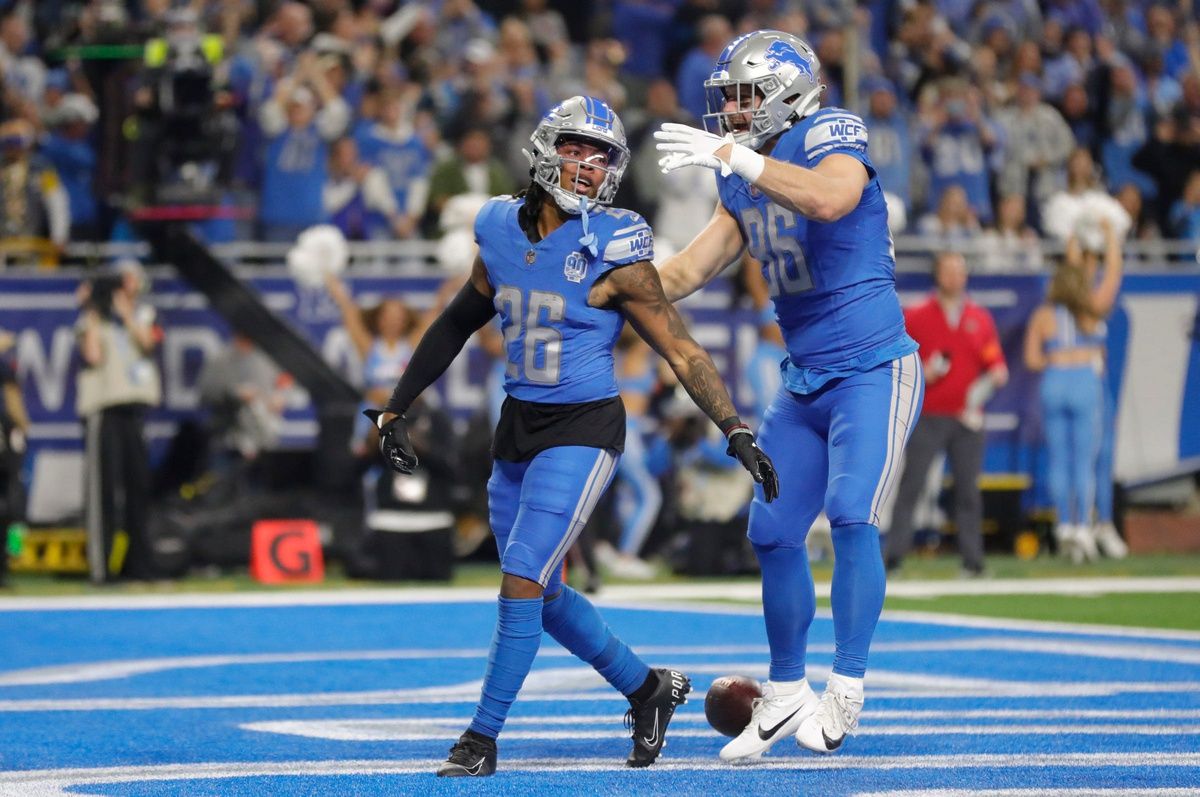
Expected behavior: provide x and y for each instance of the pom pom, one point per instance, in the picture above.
(319, 251)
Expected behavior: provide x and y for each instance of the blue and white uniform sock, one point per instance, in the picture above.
(574, 622)
(789, 603)
(514, 646)
(856, 595)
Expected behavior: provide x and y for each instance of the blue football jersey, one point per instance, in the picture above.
(402, 161)
(833, 285)
(559, 349)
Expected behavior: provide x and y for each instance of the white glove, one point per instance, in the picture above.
(682, 145)
(688, 146)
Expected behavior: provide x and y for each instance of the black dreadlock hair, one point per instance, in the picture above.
(534, 195)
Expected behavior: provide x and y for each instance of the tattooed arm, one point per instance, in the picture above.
(637, 293)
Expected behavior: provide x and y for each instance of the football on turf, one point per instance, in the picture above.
(728, 702)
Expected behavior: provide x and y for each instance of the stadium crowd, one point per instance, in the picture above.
(371, 114)
(381, 116)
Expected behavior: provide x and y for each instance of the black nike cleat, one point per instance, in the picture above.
(472, 756)
(648, 719)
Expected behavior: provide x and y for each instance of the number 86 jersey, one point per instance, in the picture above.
(833, 284)
(559, 349)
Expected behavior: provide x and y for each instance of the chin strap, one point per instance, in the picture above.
(588, 241)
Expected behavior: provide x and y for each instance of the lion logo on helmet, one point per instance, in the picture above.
(781, 52)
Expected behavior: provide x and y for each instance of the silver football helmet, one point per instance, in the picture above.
(593, 122)
(776, 66)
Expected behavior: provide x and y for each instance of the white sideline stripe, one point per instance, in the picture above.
(55, 782)
(450, 727)
(1040, 792)
(870, 715)
(750, 591)
(933, 618)
(125, 668)
(1034, 713)
(468, 694)
(1040, 626)
(1053, 646)
(696, 717)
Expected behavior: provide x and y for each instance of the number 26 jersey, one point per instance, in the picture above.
(559, 349)
(833, 284)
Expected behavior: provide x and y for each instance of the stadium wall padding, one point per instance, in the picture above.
(1154, 356)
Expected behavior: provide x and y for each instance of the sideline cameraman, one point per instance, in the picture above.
(183, 131)
(118, 382)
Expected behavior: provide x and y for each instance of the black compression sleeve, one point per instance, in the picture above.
(441, 343)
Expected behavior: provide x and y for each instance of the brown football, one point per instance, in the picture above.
(728, 702)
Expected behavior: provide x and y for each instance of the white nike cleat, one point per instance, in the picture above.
(1110, 542)
(772, 717)
(836, 716)
(1076, 542)
(1085, 541)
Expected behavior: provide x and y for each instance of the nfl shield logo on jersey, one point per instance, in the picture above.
(575, 267)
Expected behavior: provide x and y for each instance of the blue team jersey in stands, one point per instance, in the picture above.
(559, 349)
(833, 284)
(402, 161)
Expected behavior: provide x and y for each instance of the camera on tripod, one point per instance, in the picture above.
(188, 135)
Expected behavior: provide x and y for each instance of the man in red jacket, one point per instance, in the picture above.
(964, 366)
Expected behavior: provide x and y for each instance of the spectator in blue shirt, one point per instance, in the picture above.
(459, 23)
(1162, 32)
(1185, 215)
(297, 134)
(357, 197)
(1073, 65)
(891, 143)
(1126, 131)
(392, 144)
(1078, 115)
(1085, 14)
(714, 32)
(69, 148)
(642, 27)
(956, 144)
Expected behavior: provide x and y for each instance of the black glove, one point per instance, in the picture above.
(743, 448)
(394, 444)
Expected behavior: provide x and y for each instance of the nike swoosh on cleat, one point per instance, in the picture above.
(475, 769)
(767, 734)
(653, 739)
(832, 744)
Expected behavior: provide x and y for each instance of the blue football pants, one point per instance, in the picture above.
(839, 448)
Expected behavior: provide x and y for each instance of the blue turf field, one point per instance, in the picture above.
(366, 699)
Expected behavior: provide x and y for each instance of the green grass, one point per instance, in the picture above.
(1145, 565)
(1135, 609)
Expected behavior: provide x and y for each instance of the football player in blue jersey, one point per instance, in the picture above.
(564, 272)
(796, 186)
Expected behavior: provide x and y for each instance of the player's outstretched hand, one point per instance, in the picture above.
(743, 447)
(681, 145)
(394, 444)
